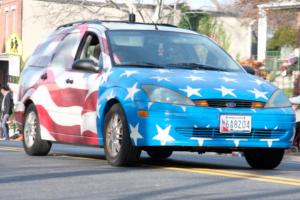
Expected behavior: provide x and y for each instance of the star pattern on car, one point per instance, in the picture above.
(106, 75)
(198, 72)
(132, 91)
(98, 109)
(110, 96)
(259, 94)
(183, 108)
(163, 71)
(200, 140)
(195, 78)
(270, 141)
(128, 73)
(236, 141)
(134, 133)
(259, 82)
(163, 135)
(160, 78)
(192, 91)
(149, 105)
(226, 91)
(227, 79)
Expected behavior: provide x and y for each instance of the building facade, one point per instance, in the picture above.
(10, 42)
(10, 21)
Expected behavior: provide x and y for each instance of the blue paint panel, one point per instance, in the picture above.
(178, 125)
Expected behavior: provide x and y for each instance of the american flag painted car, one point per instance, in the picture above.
(130, 87)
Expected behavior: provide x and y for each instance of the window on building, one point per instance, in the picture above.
(6, 23)
(13, 25)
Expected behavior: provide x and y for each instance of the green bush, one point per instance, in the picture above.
(283, 36)
(205, 24)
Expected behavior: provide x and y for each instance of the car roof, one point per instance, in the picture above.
(143, 26)
(126, 25)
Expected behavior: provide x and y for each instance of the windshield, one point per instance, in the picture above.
(168, 50)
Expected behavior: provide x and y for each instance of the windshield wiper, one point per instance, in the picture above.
(195, 66)
(144, 64)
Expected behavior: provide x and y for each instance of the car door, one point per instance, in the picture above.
(83, 88)
(64, 110)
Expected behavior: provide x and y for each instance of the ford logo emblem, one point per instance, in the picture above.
(230, 105)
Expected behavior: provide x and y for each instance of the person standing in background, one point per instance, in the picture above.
(295, 101)
(7, 105)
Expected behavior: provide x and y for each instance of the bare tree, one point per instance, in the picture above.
(276, 18)
(60, 10)
(217, 4)
(248, 8)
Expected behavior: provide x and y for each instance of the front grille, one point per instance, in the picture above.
(215, 133)
(221, 103)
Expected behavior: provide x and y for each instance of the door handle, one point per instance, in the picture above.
(44, 76)
(69, 81)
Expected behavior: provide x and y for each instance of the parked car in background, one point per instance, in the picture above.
(130, 87)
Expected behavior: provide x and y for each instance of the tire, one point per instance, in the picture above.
(264, 158)
(159, 153)
(32, 143)
(117, 143)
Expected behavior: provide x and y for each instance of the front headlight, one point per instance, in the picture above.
(278, 100)
(165, 95)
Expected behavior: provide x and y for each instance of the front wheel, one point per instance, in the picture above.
(33, 144)
(117, 145)
(264, 158)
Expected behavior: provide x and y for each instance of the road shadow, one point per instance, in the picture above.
(171, 162)
(150, 162)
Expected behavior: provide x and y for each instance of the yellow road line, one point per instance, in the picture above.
(17, 149)
(294, 182)
(251, 174)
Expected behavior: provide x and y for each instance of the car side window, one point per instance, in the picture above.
(66, 51)
(90, 48)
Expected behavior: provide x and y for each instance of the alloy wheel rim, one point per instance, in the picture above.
(114, 135)
(30, 129)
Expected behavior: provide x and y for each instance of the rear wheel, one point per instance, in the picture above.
(33, 144)
(264, 158)
(117, 145)
(159, 153)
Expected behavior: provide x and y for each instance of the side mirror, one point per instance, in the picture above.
(86, 65)
(249, 69)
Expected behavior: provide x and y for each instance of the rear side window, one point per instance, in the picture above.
(66, 51)
(43, 54)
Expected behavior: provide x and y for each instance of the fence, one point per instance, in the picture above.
(283, 78)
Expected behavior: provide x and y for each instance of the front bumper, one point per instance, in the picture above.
(190, 126)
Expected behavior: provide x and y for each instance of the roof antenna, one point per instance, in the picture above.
(131, 18)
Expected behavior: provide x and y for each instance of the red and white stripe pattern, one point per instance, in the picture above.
(67, 112)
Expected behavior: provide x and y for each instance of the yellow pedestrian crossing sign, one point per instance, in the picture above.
(14, 45)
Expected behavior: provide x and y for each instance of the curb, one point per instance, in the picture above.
(292, 157)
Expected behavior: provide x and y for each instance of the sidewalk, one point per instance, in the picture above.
(293, 151)
(292, 157)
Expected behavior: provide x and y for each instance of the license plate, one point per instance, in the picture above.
(235, 124)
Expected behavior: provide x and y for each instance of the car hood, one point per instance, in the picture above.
(206, 84)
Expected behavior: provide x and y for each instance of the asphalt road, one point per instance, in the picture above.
(72, 172)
